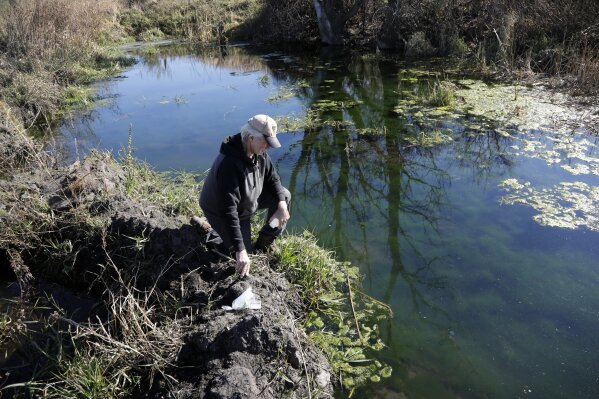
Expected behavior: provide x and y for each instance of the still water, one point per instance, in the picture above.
(488, 303)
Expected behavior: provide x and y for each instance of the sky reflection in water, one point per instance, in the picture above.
(487, 302)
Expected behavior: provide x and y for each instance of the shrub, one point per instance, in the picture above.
(419, 46)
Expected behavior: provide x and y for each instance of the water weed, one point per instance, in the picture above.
(341, 320)
(569, 205)
(428, 138)
(439, 94)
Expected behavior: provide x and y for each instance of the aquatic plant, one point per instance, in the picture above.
(314, 120)
(284, 93)
(341, 320)
(439, 94)
(428, 138)
(569, 205)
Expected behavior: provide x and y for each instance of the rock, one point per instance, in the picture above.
(323, 378)
(233, 383)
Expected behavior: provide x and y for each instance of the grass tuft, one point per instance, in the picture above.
(439, 94)
(175, 193)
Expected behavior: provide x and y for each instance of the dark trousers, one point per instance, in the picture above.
(267, 200)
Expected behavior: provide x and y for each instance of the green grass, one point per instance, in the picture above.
(439, 94)
(82, 375)
(175, 193)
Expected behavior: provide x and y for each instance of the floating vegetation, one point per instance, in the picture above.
(580, 169)
(428, 139)
(342, 320)
(333, 105)
(567, 205)
(574, 152)
(286, 91)
(371, 132)
(180, 100)
(292, 123)
(439, 94)
(264, 80)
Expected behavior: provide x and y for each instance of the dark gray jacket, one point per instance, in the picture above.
(234, 183)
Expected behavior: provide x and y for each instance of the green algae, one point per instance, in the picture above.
(569, 205)
(286, 91)
(428, 138)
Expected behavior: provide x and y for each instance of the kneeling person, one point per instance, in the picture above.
(241, 181)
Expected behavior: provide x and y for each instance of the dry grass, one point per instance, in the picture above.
(200, 21)
(110, 357)
(46, 45)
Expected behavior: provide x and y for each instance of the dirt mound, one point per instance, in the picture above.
(249, 353)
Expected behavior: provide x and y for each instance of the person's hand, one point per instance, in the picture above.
(282, 213)
(243, 263)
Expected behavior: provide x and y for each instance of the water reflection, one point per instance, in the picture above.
(387, 206)
(158, 61)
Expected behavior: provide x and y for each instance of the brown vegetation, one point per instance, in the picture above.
(49, 45)
(200, 21)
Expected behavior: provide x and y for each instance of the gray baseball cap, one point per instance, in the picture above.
(266, 126)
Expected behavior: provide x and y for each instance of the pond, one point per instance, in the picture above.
(471, 208)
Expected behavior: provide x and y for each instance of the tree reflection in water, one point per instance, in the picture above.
(363, 192)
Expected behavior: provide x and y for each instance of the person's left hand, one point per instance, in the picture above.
(282, 213)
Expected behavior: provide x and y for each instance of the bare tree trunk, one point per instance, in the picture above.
(389, 35)
(328, 34)
(331, 22)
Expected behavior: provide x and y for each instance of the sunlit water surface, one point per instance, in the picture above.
(487, 303)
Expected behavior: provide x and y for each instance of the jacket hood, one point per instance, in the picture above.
(232, 146)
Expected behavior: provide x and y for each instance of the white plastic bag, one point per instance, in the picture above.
(247, 300)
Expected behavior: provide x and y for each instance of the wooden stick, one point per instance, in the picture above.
(353, 310)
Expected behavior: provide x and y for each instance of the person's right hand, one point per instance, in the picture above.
(243, 263)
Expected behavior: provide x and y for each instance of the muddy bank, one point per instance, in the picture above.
(160, 330)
